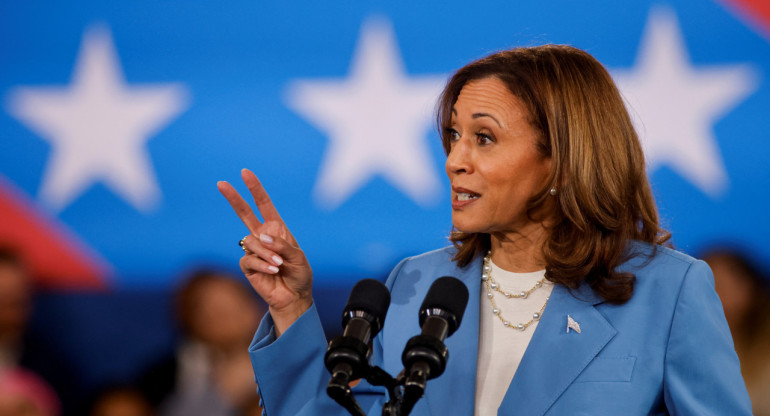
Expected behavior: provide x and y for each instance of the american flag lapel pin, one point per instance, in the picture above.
(572, 324)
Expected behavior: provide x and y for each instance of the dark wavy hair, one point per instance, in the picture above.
(604, 199)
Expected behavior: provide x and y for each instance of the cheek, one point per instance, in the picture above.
(513, 198)
(511, 192)
(513, 184)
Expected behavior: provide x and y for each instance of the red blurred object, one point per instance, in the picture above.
(55, 257)
(757, 12)
(19, 387)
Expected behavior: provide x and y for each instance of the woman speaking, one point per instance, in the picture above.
(576, 307)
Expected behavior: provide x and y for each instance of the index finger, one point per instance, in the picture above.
(261, 198)
(240, 206)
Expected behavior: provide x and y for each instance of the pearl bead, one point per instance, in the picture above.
(493, 286)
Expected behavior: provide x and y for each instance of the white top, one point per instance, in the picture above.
(501, 348)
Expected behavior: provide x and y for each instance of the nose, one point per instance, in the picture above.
(459, 158)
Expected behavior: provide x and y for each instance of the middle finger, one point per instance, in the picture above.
(256, 248)
(240, 206)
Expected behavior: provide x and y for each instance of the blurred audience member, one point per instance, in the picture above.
(22, 393)
(15, 308)
(19, 348)
(211, 373)
(121, 401)
(745, 296)
(251, 408)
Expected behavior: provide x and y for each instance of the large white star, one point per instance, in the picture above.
(376, 121)
(675, 105)
(98, 126)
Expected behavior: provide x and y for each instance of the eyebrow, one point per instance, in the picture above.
(479, 115)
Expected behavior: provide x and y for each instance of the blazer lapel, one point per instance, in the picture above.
(555, 356)
(454, 391)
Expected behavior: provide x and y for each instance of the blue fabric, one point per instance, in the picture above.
(668, 349)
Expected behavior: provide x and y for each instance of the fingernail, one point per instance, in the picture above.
(277, 260)
(266, 239)
(272, 269)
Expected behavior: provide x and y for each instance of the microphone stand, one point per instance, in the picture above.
(424, 356)
(339, 390)
(378, 377)
(403, 391)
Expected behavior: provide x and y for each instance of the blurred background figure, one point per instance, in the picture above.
(121, 401)
(25, 358)
(210, 373)
(15, 307)
(745, 297)
(251, 408)
(22, 393)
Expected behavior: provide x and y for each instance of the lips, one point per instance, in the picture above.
(463, 196)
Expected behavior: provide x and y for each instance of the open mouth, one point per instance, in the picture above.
(467, 196)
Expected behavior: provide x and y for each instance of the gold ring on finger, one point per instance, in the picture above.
(242, 243)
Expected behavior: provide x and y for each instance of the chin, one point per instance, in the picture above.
(468, 227)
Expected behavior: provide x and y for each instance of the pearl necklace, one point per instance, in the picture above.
(493, 286)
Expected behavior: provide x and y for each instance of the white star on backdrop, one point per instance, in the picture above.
(98, 126)
(376, 121)
(675, 105)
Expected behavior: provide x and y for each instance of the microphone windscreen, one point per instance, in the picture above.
(447, 293)
(371, 296)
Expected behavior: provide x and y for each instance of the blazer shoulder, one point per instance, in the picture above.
(654, 263)
(441, 255)
(644, 255)
(435, 258)
(430, 266)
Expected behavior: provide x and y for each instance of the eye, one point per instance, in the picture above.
(452, 134)
(484, 139)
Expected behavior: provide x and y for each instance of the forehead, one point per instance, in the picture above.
(490, 96)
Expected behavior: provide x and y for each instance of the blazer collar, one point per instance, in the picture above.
(456, 388)
(555, 356)
(553, 359)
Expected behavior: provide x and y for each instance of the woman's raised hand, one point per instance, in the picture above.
(274, 264)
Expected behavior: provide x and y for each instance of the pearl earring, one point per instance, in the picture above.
(553, 191)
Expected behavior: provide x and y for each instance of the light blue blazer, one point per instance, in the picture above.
(668, 350)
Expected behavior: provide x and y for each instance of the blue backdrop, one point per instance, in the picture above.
(118, 119)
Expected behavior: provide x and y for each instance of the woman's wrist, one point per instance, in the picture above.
(284, 317)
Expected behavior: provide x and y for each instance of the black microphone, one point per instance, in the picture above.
(347, 355)
(425, 355)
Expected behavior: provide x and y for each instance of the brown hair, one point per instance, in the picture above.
(193, 288)
(604, 199)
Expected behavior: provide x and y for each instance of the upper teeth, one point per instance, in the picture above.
(465, 196)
